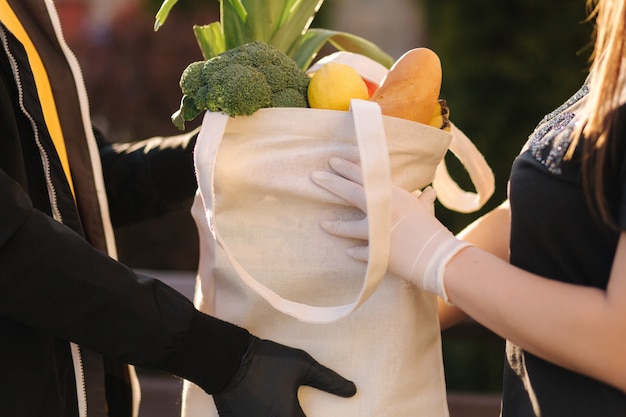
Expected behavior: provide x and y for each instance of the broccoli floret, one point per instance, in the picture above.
(213, 65)
(241, 81)
(191, 79)
(256, 54)
(289, 97)
(281, 78)
(239, 91)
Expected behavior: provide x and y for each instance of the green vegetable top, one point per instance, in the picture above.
(284, 24)
(241, 81)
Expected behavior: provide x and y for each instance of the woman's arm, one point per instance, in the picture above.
(491, 233)
(579, 328)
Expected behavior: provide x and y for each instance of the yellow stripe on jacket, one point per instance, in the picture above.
(42, 81)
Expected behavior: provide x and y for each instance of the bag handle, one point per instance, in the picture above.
(449, 193)
(374, 157)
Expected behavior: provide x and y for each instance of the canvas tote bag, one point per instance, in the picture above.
(266, 265)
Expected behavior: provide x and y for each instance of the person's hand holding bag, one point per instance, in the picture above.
(420, 245)
(268, 379)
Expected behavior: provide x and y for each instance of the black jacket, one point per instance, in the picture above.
(68, 311)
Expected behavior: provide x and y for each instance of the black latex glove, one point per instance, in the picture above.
(266, 384)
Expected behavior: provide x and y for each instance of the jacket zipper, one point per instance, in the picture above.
(81, 390)
(56, 213)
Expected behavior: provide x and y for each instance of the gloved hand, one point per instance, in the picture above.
(267, 382)
(420, 245)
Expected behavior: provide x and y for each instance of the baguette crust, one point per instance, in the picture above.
(412, 87)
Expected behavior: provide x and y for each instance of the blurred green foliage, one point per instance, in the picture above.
(473, 358)
(506, 64)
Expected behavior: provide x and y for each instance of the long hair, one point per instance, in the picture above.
(606, 87)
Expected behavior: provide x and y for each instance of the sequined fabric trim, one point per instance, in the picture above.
(550, 141)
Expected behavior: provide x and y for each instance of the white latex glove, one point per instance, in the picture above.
(420, 245)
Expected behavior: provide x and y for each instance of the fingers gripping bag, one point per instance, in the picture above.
(266, 265)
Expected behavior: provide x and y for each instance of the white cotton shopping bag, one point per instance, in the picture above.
(267, 266)
(254, 179)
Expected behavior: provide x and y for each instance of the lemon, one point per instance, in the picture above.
(334, 85)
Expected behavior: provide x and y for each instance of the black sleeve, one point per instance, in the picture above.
(148, 178)
(54, 281)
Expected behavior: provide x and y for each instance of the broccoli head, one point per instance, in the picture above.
(241, 81)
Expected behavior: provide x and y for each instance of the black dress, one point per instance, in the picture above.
(555, 234)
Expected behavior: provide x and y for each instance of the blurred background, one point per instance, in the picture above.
(505, 65)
